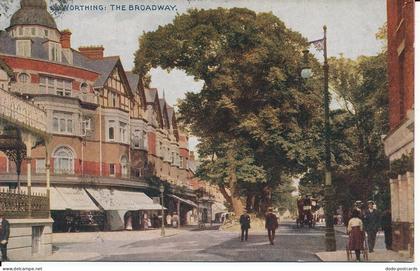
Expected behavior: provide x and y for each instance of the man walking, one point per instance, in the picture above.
(4, 237)
(271, 224)
(245, 222)
(372, 221)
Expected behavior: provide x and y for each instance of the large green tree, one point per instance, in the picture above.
(254, 113)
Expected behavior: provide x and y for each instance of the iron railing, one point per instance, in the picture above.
(23, 205)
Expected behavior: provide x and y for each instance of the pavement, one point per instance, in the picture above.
(379, 255)
(292, 244)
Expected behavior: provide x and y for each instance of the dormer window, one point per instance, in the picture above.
(84, 87)
(55, 52)
(23, 48)
(23, 78)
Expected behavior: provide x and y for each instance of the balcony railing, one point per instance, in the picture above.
(23, 205)
(33, 89)
(22, 112)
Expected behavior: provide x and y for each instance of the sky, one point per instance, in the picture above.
(351, 24)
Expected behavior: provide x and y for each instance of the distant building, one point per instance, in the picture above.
(400, 139)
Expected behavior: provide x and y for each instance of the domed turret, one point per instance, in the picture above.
(33, 12)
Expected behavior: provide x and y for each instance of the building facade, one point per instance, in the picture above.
(399, 143)
(113, 142)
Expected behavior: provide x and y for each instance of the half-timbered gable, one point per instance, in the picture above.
(115, 88)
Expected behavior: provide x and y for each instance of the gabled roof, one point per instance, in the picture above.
(170, 111)
(151, 94)
(133, 80)
(104, 66)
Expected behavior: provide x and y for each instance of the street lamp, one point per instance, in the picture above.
(321, 45)
(162, 228)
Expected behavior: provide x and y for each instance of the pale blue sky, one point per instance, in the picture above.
(352, 25)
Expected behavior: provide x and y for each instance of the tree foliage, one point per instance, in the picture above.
(254, 112)
(360, 164)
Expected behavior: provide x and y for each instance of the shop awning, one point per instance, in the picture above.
(187, 201)
(123, 200)
(68, 198)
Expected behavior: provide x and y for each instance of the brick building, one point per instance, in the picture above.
(400, 139)
(113, 141)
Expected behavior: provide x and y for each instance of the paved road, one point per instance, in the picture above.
(291, 244)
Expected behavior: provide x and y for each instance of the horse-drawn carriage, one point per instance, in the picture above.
(306, 212)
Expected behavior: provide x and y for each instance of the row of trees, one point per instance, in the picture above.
(259, 123)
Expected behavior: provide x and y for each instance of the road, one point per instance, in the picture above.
(291, 245)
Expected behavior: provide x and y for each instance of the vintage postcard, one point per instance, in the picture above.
(202, 131)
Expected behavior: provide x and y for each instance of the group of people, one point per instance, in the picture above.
(369, 221)
(271, 224)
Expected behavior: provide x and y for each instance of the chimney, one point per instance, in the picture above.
(65, 39)
(92, 52)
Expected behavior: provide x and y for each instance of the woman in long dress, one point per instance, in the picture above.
(356, 233)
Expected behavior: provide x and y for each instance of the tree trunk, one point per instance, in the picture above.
(237, 204)
(225, 194)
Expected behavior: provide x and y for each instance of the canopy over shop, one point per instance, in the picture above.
(124, 209)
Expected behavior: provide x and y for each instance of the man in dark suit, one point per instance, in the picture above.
(4, 236)
(245, 222)
(271, 224)
(371, 224)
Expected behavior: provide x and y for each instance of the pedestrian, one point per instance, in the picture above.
(4, 237)
(356, 233)
(271, 224)
(372, 221)
(386, 222)
(245, 222)
(175, 220)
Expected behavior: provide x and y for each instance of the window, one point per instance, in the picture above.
(84, 87)
(63, 122)
(113, 99)
(123, 132)
(33, 32)
(45, 33)
(111, 130)
(181, 162)
(63, 161)
(23, 48)
(86, 126)
(124, 166)
(111, 169)
(173, 158)
(55, 51)
(40, 166)
(145, 140)
(23, 78)
(136, 139)
(56, 86)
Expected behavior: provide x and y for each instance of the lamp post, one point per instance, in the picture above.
(321, 45)
(162, 228)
